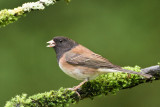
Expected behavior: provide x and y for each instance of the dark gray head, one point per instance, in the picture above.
(61, 45)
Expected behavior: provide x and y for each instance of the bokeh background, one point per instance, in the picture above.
(125, 32)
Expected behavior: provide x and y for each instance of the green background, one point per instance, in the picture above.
(126, 32)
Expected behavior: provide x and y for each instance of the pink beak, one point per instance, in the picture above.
(51, 43)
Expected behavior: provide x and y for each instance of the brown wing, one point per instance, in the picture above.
(88, 58)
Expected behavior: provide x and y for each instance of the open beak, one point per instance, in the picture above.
(51, 43)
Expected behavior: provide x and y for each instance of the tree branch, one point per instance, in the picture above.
(8, 16)
(103, 84)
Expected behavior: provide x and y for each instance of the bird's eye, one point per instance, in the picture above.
(60, 41)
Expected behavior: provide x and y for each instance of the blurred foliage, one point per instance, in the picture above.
(125, 32)
(6, 17)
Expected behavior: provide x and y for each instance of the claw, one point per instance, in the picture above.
(75, 90)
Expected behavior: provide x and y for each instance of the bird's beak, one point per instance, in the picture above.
(51, 43)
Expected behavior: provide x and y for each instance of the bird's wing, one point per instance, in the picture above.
(91, 60)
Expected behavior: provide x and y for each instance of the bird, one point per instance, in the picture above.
(81, 63)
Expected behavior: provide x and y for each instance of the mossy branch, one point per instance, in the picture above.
(8, 16)
(104, 84)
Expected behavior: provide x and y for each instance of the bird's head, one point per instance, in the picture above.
(61, 44)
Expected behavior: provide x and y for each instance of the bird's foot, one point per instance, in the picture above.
(75, 88)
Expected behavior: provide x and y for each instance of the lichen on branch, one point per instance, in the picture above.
(8, 16)
(102, 85)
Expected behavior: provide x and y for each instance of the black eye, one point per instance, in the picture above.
(60, 41)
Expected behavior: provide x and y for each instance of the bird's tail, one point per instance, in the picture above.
(107, 70)
(138, 73)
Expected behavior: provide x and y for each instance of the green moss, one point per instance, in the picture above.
(102, 85)
(62, 97)
(112, 82)
(18, 100)
(8, 16)
(158, 63)
(136, 68)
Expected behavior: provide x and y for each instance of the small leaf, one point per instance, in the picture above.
(68, 1)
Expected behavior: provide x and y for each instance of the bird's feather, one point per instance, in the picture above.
(88, 58)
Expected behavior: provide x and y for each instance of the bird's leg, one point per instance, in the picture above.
(75, 88)
(78, 86)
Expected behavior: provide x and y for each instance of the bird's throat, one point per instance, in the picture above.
(60, 51)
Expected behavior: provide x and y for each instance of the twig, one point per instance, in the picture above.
(8, 16)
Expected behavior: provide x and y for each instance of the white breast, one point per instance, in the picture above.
(76, 73)
(105, 70)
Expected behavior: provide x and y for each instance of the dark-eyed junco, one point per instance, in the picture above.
(81, 63)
